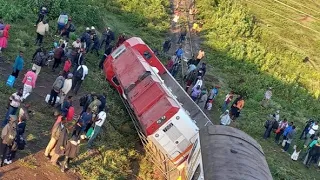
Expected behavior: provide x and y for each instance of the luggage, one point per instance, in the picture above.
(11, 81)
(48, 97)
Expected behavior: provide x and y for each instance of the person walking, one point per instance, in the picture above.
(79, 59)
(42, 13)
(78, 78)
(60, 145)
(183, 34)
(18, 65)
(29, 82)
(291, 135)
(67, 84)
(8, 135)
(86, 39)
(313, 129)
(15, 100)
(306, 129)
(225, 118)
(42, 29)
(4, 38)
(58, 54)
(56, 88)
(56, 131)
(200, 56)
(39, 60)
(98, 122)
(71, 151)
(282, 125)
(227, 100)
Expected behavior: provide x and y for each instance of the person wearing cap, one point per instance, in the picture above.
(42, 12)
(29, 82)
(18, 65)
(86, 39)
(66, 87)
(8, 135)
(225, 118)
(15, 100)
(107, 38)
(267, 97)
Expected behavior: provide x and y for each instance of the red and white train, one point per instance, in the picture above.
(175, 125)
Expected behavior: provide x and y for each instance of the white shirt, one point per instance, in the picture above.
(101, 118)
(313, 129)
(85, 71)
(66, 86)
(198, 83)
(225, 119)
(15, 100)
(268, 95)
(277, 117)
(76, 45)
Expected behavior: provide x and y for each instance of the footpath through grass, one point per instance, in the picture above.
(117, 143)
(246, 58)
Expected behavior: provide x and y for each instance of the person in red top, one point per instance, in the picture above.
(29, 82)
(4, 38)
(67, 67)
(121, 39)
(228, 99)
(169, 64)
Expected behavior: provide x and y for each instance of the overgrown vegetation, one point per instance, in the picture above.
(117, 143)
(244, 55)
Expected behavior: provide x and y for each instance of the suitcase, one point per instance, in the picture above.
(48, 97)
(10, 81)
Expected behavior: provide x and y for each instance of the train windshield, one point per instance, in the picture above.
(115, 54)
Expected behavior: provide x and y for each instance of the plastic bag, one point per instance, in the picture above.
(284, 143)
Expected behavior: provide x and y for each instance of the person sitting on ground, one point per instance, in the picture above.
(225, 118)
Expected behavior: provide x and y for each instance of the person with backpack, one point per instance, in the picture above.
(62, 21)
(4, 36)
(39, 60)
(42, 13)
(18, 65)
(78, 78)
(15, 101)
(61, 143)
(85, 101)
(29, 82)
(69, 27)
(66, 87)
(56, 88)
(56, 130)
(98, 122)
(8, 136)
(58, 54)
(42, 29)
(71, 151)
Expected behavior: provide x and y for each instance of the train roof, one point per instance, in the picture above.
(228, 153)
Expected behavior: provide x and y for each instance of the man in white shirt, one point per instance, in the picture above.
(78, 77)
(225, 118)
(313, 129)
(15, 100)
(76, 44)
(98, 122)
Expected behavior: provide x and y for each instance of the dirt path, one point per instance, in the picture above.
(31, 163)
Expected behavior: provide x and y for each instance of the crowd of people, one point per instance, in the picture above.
(67, 130)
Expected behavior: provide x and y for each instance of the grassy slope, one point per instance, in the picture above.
(245, 56)
(118, 138)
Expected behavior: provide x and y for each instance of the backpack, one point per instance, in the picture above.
(38, 59)
(58, 53)
(59, 84)
(275, 125)
(83, 100)
(79, 72)
(266, 124)
(11, 135)
(72, 28)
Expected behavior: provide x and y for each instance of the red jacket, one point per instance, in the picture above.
(67, 66)
(70, 113)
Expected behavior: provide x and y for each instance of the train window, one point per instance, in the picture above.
(115, 80)
(121, 49)
(192, 151)
(147, 55)
(197, 173)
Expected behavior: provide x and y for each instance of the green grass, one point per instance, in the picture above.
(118, 157)
(248, 57)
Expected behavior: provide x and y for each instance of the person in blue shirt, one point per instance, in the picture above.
(287, 130)
(18, 65)
(82, 123)
(179, 53)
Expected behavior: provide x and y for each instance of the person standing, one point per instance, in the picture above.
(213, 94)
(96, 44)
(287, 130)
(166, 45)
(15, 100)
(86, 39)
(39, 61)
(203, 99)
(60, 145)
(313, 129)
(190, 79)
(121, 39)
(56, 131)
(195, 93)
(42, 29)
(71, 152)
(79, 59)
(8, 136)
(78, 78)
(98, 122)
(267, 97)
(58, 54)
(306, 129)
(82, 123)
(291, 135)
(314, 154)
(237, 106)
(182, 36)
(103, 100)
(269, 125)
(85, 101)
(29, 82)
(4, 38)
(42, 12)
(200, 56)
(199, 82)
(179, 53)
(18, 65)
(225, 118)
(56, 88)
(65, 105)
(107, 52)
(227, 100)
(107, 38)
(283, 124)
(66, 87)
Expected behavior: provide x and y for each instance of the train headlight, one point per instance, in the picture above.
(161, 119)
